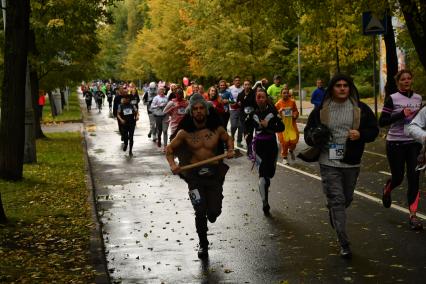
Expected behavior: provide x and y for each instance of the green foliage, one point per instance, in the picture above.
(48, 236)
(65, 39)
(118, 40)
(218, 39)
(365, 91)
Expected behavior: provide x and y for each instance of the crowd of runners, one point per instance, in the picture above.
(199, 125)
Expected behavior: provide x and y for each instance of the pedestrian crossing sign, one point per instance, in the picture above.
(372, 24)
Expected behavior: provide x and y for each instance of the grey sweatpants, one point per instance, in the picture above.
(236, 125)
(338, 186)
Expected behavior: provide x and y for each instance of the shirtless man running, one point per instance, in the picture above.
(201, 135)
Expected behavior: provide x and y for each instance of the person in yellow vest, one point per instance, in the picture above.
(274, 90)
(288, 112)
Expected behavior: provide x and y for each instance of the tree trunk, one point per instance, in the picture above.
(3, 218)
(391, 58)
(415, 19)
(13, 97)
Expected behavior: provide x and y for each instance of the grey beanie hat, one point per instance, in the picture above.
(194, 99)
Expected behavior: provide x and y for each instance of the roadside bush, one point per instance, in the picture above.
(365, 91)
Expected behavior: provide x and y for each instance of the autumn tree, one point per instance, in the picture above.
(65, 42)
(159, 47)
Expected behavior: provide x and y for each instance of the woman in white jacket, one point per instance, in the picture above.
(161, 118)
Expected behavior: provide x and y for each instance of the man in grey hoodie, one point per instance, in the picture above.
(351, 124)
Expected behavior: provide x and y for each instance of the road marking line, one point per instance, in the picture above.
(369, 197)
(299, 171)
(385, 173)
(374, 153)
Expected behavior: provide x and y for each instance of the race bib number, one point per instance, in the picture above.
(287, 112)
(133, 102)
(127, 111)
(336, 151)
(181, 110)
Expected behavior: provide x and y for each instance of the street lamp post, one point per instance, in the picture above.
(299, 74)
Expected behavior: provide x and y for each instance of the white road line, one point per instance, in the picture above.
(362, 194)
(385, 173)
(374, 153)
(299, 171)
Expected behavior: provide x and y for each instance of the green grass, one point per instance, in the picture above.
(71, 115)
(47, 237)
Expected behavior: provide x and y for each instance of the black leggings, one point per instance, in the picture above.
(128, 132)
(400, 155)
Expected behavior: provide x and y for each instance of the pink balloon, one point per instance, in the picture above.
(185, 81)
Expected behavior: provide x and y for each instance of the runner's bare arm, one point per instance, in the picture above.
(224, 136)
(170, 149)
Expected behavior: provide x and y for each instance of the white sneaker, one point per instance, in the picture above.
(285, 161)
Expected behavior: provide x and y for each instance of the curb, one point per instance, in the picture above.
(97, 246)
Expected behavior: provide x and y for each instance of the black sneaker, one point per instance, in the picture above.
(149, 134)
(203, 252)
(345, 252)
(130, 154)
(266, 208)
(415, 223)
(124, 147)
(386, 197)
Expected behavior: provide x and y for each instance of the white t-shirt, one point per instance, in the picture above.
(234, 92)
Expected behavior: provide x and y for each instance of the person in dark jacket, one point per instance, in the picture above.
(265, 122)
(119, 93)
(352, 124)
(247, 101)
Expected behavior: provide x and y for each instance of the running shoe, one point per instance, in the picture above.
(285, 161)
(266, 209)
(124, 147)
(386, 197)
(203, 252)
(292, 155)
(415, 223)
(345, 252)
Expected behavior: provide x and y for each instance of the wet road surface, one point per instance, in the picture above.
(149, 231)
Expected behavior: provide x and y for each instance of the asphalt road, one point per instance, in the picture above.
(149, 231)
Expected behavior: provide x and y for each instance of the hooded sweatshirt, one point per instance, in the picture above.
(340, 118)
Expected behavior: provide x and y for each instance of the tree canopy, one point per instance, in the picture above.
(219, 39)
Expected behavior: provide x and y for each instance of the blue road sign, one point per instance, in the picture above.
(372, 24)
